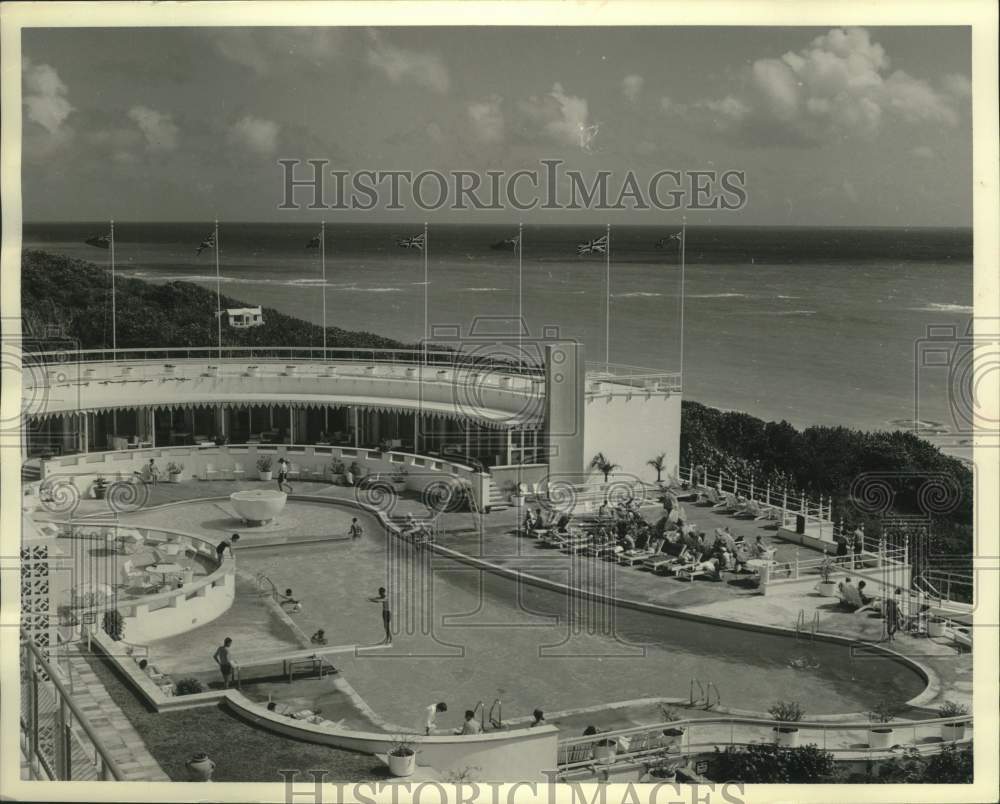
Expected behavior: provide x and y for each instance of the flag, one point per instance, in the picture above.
(663, 242)
(208, 242)
(315, 242)
(598, 246)
(514, 241)
(99, 241)
(417, 242)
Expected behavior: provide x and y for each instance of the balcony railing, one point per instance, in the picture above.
(462, 361)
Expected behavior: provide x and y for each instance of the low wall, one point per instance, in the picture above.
(526, 474)
(82, 469)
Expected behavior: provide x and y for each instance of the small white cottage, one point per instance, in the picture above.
(244, 317)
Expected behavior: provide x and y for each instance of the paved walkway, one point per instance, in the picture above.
(113, 728)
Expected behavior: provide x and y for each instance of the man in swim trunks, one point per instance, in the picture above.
(386, 614)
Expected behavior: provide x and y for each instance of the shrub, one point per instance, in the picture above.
(264, 463)
(952, 709)
(402, 746)
(768, 763)
(114, 624)
(174, 468)
(786, 711)
(188, 686)
(882, 713)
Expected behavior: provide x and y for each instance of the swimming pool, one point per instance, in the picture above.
(467, 635)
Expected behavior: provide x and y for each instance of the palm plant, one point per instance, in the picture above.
(603, 465)
(659, 464)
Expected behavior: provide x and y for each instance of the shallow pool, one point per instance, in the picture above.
(463, 635)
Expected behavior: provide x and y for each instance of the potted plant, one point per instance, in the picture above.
(264, 467)
(402, 756)
(188, 686)
(953, 731)
(664, 772)
(936, 626)
(100, 487)
(169, 369)
(881, 736)
(786, 712)
(671, 736)
(175, 472)
(253, 371)
(658, 463)
(512, 491)
(603, 465)
(335, 471)
(826, 587)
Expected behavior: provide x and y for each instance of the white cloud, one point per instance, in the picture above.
(45, 96)
(263, 49)
(632, 87)
(158, 128)
(922, 152)
(256, 134)
(958, 85)
(838, 86)
(399, 64)
(487, 119)
(560, 117)
(434, 132)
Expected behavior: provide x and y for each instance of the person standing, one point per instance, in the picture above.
(382, 598)
(893, 615)
(221, 547)
(283, 467)
(355, 530)
(152, 471)
(224, 658)
(430, 715)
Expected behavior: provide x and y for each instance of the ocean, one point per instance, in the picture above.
(811, 325)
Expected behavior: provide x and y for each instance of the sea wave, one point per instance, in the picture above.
(936, 307)
(636, 294)
(716, 295)
(483, 290)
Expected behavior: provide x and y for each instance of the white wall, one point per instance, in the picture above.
(632, 429)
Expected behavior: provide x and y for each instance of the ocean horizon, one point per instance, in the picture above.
(813, 325)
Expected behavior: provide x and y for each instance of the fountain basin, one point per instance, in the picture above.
(258, 507)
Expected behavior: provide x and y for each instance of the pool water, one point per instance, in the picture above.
(465, 635)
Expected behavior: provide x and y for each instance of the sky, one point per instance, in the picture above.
(837, 127)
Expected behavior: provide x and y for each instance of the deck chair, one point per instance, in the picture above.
(238, 471)
(728, 505)
(211, 473)
(632, 557)
(294, 473)
(692, 571)
(710, 495)
(665, 564)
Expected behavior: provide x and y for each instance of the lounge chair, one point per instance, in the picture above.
(664, 563)
(710, 495)
(238, 471)
(695, 570)
(632, 557)
(729, 505)
(211, 473)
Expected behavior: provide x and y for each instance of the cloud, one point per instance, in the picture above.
(559, 117)
(632, 87)
(255, 134)
(434, 132)
(958, 85)
(45, 96)
(922, 152)
(487, 119)
(158, 128)
(264, 49)
(839, 86)
(398, 64)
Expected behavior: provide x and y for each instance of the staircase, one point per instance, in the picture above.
(31, 471)
(497, 501)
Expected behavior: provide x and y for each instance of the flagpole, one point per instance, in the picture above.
(218, 290)
(322, 257)
(520, 312)
(425, 249)
(683, 246)
(607, 303)
(114, 305)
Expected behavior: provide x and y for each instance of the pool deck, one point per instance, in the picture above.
(493, 538)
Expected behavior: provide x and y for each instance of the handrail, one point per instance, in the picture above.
(66, 697)
(312, 353)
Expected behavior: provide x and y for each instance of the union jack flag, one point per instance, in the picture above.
(99, 241)
(417, 242)
(314, 243)
(598, 246)
(664, 241)
(208, 242)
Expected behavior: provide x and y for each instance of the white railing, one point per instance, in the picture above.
(787, 506)
(431, 357)
(634, 376)
(699, 735)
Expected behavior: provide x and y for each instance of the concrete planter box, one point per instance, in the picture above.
(506, 382)
(411, 372)
(371, 370)
(881, 737)
(126, 371)
(402, 765)
(169, 369)
(291, 371)
(935, 627)
(89, 374)
(176, 477)
(827, 588)
(953, 731)
(253, 371)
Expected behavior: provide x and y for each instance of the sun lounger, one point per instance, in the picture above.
(710, 495)
(632, 557)
(692, 571)
(729, 505)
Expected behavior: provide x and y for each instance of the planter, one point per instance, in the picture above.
(176, 477)
(442, 375)
(200, 768)
(787, 736)
(953, 731)
(212, 371)
(370, 370)
(291, 371)
(671, 739)
(126, 371)
(100, 492)
(605, 751)
(663, 775)
(827, 588)
(264, 475)
(881, 737)
(506, 382)
(402, 765)
(169, 369)
(935, 627)
(89, 374)
(253, 371)
(411, 372)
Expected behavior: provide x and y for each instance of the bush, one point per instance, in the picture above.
(114, 625)
(952, 766)
(188, 686)
(786, 711)
(768, 763)
(264, 463)
(952, 709)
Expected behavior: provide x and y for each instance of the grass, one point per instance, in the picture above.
(241, 752)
